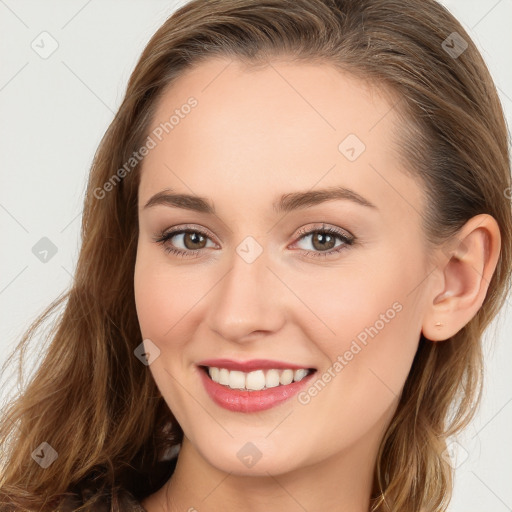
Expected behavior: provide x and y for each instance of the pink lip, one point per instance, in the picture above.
(250, 401)
(249, 366)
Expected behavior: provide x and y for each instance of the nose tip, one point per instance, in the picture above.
(245, 305)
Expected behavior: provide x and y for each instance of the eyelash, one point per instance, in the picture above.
(164, 237)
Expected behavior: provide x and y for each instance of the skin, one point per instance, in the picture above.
(257, 134)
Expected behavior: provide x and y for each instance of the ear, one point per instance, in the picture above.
(459, 284)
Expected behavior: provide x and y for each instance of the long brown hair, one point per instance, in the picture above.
(94, 402)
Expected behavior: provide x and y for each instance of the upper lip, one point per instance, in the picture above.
(251, 365)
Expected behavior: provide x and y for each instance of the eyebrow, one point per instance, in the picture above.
(286, 203)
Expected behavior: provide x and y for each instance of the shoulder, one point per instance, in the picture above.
(126, 498)
(131, 504)
(123, 500)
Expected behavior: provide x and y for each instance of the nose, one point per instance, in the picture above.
(247, 302)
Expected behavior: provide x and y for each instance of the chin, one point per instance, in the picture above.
(252, 458)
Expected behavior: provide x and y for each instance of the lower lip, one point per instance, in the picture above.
(251, 401)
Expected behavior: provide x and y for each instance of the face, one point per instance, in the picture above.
(313, 281)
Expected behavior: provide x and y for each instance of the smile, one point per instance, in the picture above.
(253, 391)
(258, 379)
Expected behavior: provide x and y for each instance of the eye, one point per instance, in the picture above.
(193, 240)
(323, 239)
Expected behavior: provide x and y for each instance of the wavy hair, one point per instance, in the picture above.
(94, 402)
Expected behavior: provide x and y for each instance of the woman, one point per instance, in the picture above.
(209, 320)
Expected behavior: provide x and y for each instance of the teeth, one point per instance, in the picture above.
(256, 380)
(299, 374)
(214, 373)
(272, 379)
(236, 380)
(223, 376)
(286, 377)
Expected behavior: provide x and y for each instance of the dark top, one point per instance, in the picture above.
(126, 503)
(127, 499)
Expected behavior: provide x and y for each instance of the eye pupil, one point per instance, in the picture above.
(321, 238)
(195, 239)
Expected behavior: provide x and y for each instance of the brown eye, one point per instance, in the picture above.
(323, 241)
(193, 240)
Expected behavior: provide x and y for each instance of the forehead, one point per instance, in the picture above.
(268, 130)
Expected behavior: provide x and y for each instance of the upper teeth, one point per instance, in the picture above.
(255, 380)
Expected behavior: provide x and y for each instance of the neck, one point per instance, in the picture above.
(342, 482)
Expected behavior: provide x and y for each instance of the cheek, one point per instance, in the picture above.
(342, 304)
(170, 301)
(161, 303)
(150, 301)
(368, 358)
(158, 304)
(370, 321)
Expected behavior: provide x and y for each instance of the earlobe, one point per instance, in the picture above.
(466, 265)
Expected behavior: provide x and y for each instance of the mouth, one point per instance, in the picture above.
(253, 391)
(256, 380)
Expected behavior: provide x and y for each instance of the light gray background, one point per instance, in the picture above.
(53, 114)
